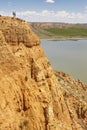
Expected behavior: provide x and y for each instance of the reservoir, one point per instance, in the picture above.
(69, 56)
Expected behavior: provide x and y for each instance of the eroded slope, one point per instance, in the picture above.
(30, 96)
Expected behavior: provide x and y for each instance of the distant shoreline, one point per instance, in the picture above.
(64, 39)
(60, 30)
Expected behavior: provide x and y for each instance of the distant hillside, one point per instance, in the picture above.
(49, 30)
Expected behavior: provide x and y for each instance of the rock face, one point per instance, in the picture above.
(75, 95)
(31, 98)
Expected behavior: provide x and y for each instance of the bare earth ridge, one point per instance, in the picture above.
(32, 97)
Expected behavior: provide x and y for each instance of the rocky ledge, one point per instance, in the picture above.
(31, 97)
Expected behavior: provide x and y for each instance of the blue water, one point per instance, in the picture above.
(68, 56)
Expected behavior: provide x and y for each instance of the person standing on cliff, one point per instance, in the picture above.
(14, 14)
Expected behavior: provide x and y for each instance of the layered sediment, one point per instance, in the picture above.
(31, 97)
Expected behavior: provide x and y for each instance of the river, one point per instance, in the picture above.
(69, 56)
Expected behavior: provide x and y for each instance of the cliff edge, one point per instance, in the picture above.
(31, 98)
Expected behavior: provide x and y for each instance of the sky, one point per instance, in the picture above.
(67, 11)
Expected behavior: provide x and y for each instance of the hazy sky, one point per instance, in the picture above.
(73, 11)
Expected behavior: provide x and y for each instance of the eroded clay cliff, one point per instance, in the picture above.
(31, 98)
